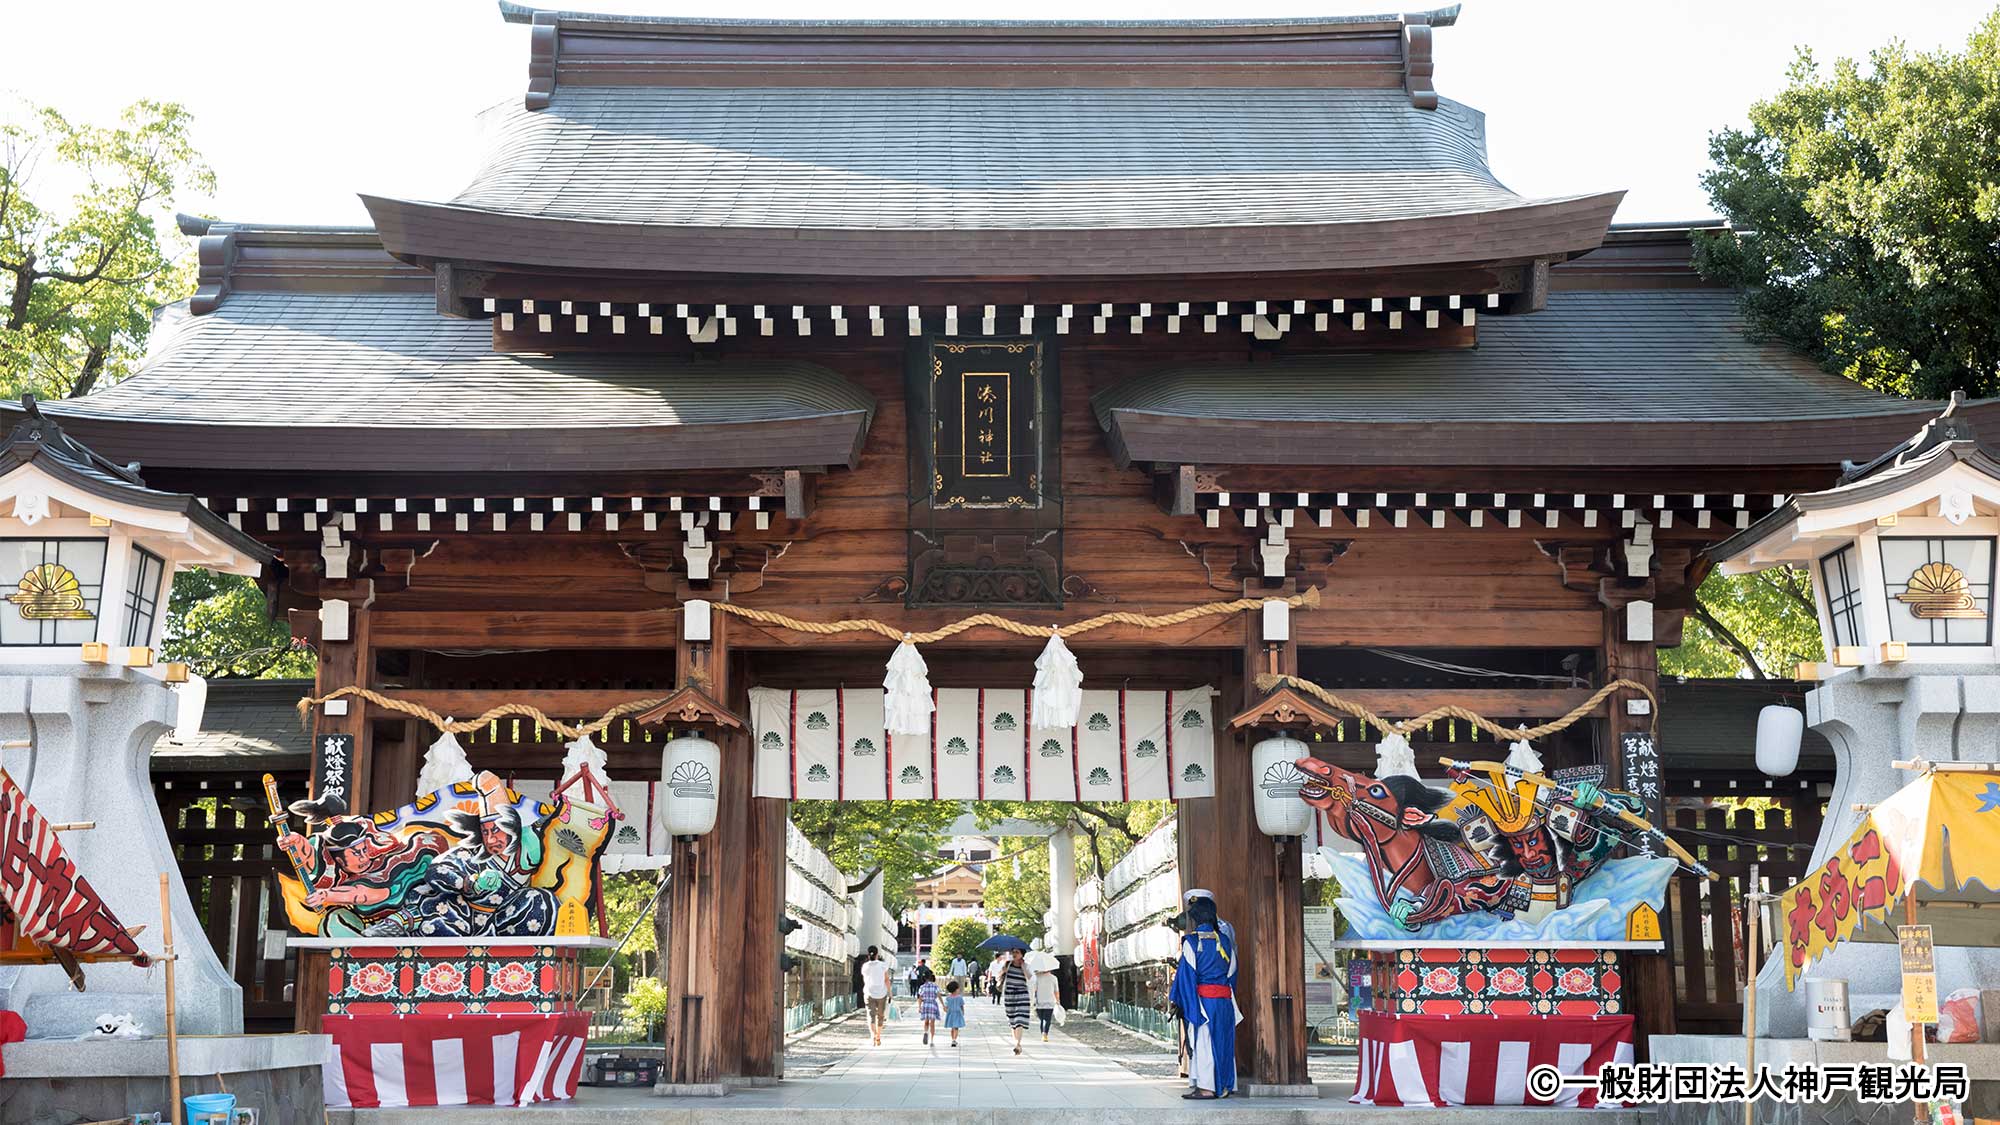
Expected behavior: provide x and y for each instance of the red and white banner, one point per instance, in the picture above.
(389, 1061)
(985, 744)
(1482, 1060)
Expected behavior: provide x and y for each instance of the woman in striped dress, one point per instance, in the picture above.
(1014, 994)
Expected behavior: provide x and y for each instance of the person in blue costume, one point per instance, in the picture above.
(1204, 997)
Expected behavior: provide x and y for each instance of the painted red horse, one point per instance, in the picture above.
(1423, 871)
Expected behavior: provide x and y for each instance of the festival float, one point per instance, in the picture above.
(443, 941)
(1494, 916)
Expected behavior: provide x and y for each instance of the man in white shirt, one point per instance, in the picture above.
(875, 990)
(958, 968)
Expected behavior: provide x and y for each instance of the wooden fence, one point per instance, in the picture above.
(1769, 824)
(229, 860)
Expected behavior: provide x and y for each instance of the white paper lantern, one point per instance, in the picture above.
(690, 767)
(190, 704)
(1780, 729)
(1274, 766)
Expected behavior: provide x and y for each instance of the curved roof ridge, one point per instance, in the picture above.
(513, 12)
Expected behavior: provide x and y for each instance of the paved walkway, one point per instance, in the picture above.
(982, 1071)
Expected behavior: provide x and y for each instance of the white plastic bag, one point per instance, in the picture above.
(1958, 1017)
(1899, 1034)
(1062, 1016)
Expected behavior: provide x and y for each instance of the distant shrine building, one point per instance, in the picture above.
(912, 322)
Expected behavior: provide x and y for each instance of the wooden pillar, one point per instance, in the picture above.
(1652, 981)
(1257, 883)
(348, 663)
(724, 1017)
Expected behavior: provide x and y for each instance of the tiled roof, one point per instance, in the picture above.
(360, 368)
(971, 159)
(1666, 355)
(249, 724)
(1624, 377)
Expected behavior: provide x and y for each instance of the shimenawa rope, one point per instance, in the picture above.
(1268, 682)
(1307, 600)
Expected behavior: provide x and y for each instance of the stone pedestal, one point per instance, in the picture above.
(56, 1083)
(92, 730)
(1873, 716)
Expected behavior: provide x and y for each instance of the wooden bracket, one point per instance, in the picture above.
(1286, 708)
(690, 706)
(1583, 565)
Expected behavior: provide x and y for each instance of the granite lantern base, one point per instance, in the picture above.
(447, 1021)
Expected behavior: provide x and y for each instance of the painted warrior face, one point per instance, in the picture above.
(1533, 851)
(494, 836)
(364, 851)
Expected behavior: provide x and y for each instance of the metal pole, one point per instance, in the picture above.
(1751, 909)
(173, 1041)
(1920, 1111)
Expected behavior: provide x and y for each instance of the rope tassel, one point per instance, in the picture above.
(906, 689)
(1058, 697)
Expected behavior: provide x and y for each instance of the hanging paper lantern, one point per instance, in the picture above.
(1780, 729)
(190, 702)
(906, 702)
(1058, 696)
(1274, 763)
(689, 770)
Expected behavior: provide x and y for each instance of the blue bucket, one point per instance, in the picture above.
(205, 1108)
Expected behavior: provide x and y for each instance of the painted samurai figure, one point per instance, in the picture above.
(483, 886)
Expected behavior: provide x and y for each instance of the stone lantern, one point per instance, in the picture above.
(1902, 553)
(87, 557)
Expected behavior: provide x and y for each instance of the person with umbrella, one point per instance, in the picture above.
(1014, 986)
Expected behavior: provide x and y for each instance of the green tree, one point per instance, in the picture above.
(1764, 624)
(81, 277)
(895, 841)
(1017, 889)
(217, 623)
(1865, 214)
(959, 937)
(1110, 828)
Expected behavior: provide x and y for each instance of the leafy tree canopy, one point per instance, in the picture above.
(1017, 889)
(1762, 623)
(895, 841)
(217, 624)
(81, 275)
(1865, 207)
(959, 937)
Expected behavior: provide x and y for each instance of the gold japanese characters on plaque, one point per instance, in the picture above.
(50, 592)
(1937, 591)
(985, 450)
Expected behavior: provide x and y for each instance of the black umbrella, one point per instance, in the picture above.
(1004, 943)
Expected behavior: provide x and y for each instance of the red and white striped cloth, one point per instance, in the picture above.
(1482, 1060)
(387, 1061)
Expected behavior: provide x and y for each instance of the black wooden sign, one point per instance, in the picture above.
(1640, 756)
(985, 433)
(333, 756)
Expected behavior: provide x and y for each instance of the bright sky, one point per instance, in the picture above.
(300, 104)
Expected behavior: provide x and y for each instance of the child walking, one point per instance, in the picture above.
(954, 1011)
(927, 1009)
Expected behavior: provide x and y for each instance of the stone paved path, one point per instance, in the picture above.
(982, 1071)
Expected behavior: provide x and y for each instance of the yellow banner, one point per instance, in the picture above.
(1827, 906)
(1942, 829)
